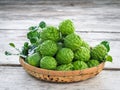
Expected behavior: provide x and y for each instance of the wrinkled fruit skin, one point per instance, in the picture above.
(64, 56)
(66, 27)
(85, 44)
(93, 63)
(48, 62)
(48, 48)
(99, 52)
(82, 54)
(65, 67)
(79, 65)
(34, 59)
(50, 33)
(72, 41)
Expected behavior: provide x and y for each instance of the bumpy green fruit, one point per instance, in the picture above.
(99, 52)
(48, 62)
(66, 67)
(66, 27)
(82, 54)
(48, 48)
(93, 63)
(50, 33)
(34, 59)
(64, 56)
(79, 65)
(72, 41)
(85, 44)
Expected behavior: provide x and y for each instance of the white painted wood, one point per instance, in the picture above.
(90, 15)
(15, 78)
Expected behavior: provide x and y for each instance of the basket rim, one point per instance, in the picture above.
(25, 64)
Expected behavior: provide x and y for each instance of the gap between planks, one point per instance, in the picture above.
(75, 31)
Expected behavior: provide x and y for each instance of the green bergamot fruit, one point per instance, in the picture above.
(79, 65)
(82, 54)
(66, 27)
(93, 63)
(72, 41)
(64, 56)
(50, 33)
(99, 52)
(48, 48)
(48, 62)
(34, 59)
(85, 44)
(65, 67)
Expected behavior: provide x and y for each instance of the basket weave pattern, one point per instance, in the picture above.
(61, 76)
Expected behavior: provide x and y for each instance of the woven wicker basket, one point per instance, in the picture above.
(61, 76)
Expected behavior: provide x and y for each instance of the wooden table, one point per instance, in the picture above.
(95, 20)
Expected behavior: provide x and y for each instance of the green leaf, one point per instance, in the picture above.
(108, 58)
(12, 45)
(32, 28)
(24, 51)
(29, 35)
(8, 53)
(32, 34)
(33, 40)
(26, 44)
(106, 44)
(42, 24)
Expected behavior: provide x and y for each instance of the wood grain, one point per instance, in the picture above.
(88, 15)
(68, 2)
(12, 78)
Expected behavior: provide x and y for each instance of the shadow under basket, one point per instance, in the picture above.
(61, 76)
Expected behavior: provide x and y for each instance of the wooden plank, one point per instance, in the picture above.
(22, 2)
(19, 37)
(88, 16)
(15, 78)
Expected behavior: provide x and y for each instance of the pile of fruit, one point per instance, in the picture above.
(60, 48)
